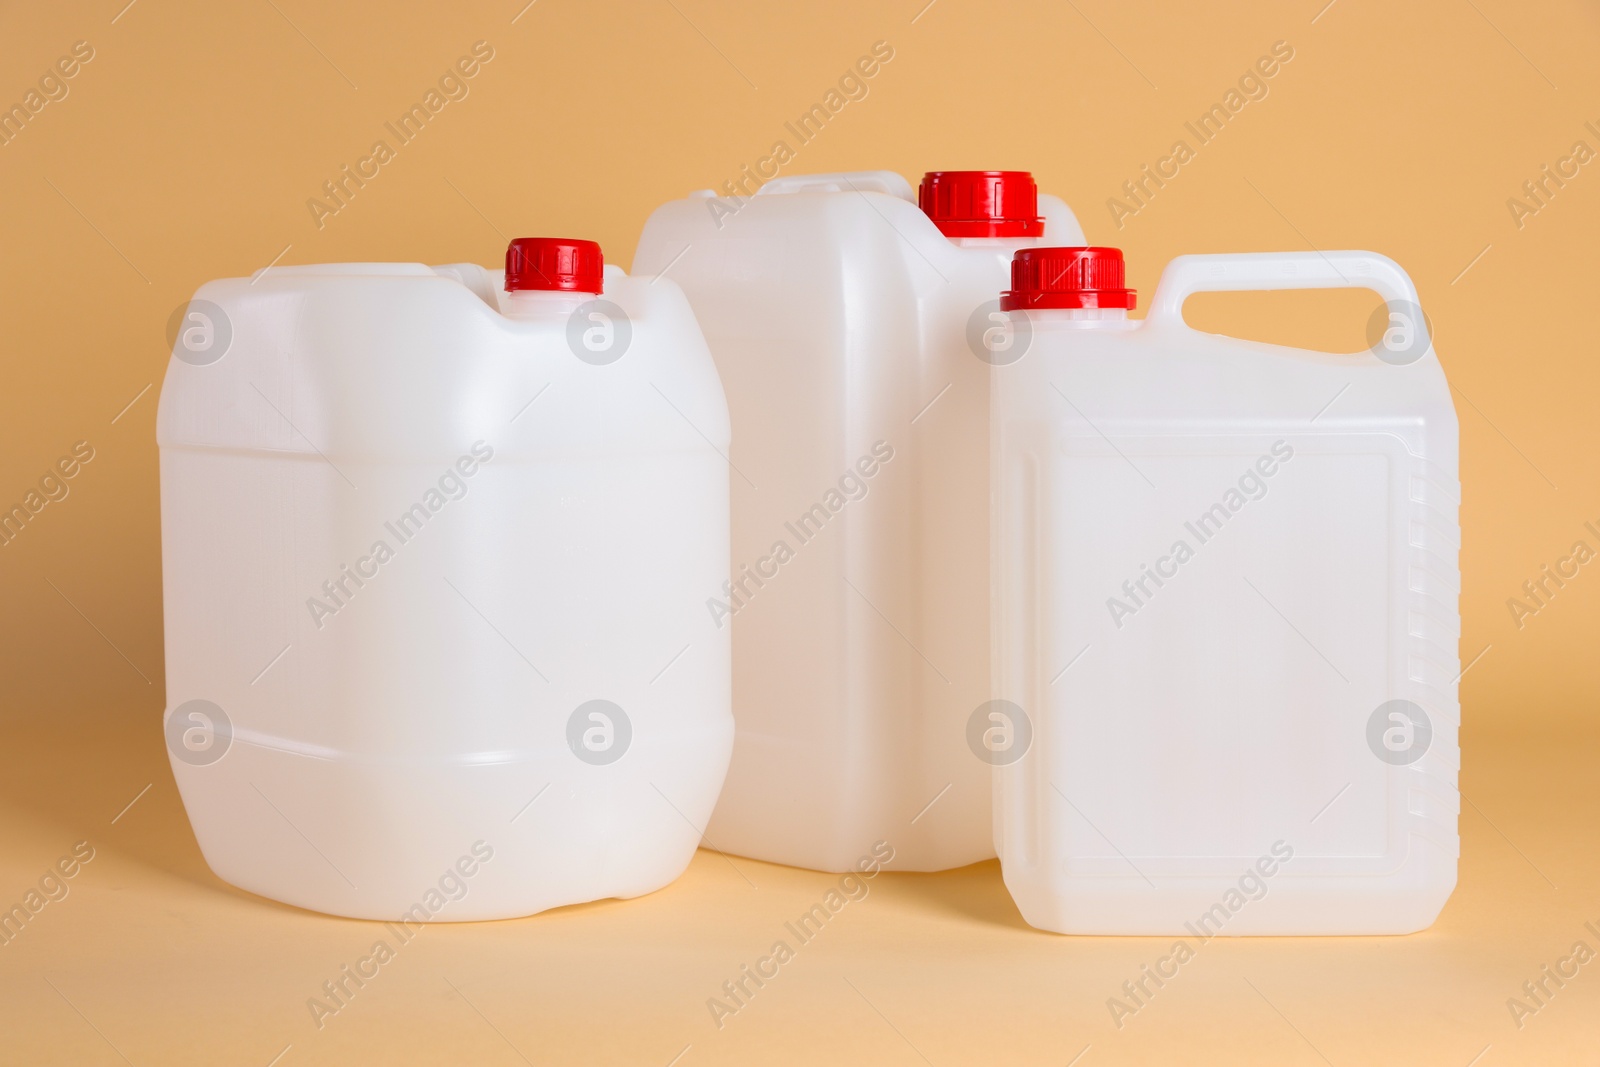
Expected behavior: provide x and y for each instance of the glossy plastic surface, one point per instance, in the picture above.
(848, 332)
(408, 541)
(1218, 564)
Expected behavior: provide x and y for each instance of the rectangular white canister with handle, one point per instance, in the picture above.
(1226, 623)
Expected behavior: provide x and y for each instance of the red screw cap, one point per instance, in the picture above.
(1066, 278)
(554, 263)
(981, 203)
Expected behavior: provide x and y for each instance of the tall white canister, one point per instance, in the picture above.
(854, 321)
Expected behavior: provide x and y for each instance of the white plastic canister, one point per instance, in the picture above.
(1227, 609)
(853, 329)
(435, 560)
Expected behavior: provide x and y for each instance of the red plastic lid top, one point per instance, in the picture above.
(554, 263)
(981, 203)
(1066, 278)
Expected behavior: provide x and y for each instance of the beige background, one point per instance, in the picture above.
(186, 149)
